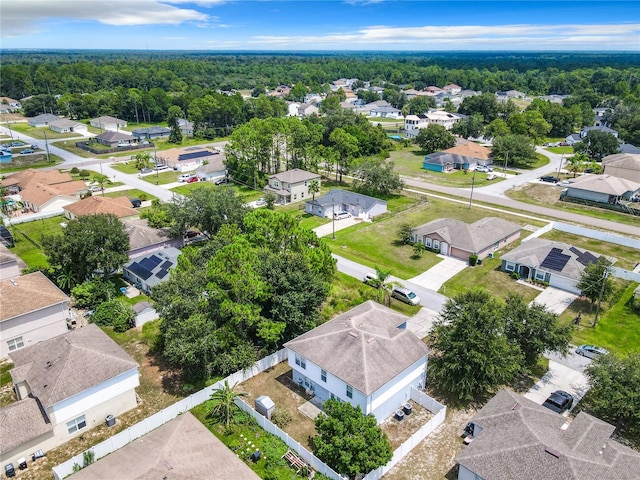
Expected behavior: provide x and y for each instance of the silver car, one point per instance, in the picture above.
(591, 351)
(405, 295)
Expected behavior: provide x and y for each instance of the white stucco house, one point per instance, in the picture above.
(33, 309)
(107, 122)
(338, 200)
(365, 356)
(65, 386)
(64, 125)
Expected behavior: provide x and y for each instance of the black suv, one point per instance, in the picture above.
(550, 179)
(559, 401)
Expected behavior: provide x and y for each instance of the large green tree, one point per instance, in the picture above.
(597, 144)
(471, 351)
(90, 243)
(434, 138)
(514, 150)
(349, 441)
(595, 282)
(376, 177)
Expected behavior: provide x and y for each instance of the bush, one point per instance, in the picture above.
(515, 275)
(473, 259)
(74, 171)
(93, 292)
(281, 417)
(114, 314)
(143, 197)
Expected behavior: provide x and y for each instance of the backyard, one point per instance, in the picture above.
(22, 162)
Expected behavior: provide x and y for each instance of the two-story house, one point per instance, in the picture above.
(33, 309)
(291, 186)
(365, 356)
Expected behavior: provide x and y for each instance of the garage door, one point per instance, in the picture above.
(563, 283)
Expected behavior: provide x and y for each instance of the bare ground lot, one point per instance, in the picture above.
(399, 431)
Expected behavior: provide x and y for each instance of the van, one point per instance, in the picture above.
(370, 278)
(159, 168)
(405, 295)
(341, 215)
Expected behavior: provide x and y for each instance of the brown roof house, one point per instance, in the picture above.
(52, 198)
(116, 139)
(178, 450)
(365, 356)
(517, 439)
(65, 385)
(33, 310)
(458, 239)
(622, 165)
(96, 205)
(291, 186)
(26, 178)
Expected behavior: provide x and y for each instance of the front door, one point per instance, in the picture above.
(444, 248)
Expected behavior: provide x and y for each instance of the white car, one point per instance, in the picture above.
(186, 176)
(405, 295)
(260, 202)
(341, 215)
(159, 168)
(591, 351)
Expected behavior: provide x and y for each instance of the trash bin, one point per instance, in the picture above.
(255, 456)
(22, 463)
(407, 408)
(111, 420)
(399, 415)
(9, 471)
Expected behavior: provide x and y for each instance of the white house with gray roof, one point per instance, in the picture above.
(42, 120)
(517, 439)
(337, 200)
(65, 385)
(558, 264)
(149, 270)
(459, 239)
(107, 122)
(291, 186)
(601, 189)
(365, 356)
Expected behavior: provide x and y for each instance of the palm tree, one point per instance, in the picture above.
(66, 281)
(314, 187)
(382, 285)
(223, 404)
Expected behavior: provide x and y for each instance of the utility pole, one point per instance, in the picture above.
(605, 274)
(333, 217)
(473, 181)
(560, 166)
(46, 143)
(506, 160)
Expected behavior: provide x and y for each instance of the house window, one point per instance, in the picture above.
(349, 391)
(540, 276)
(509, 266)
(76, 424)
(436, 244)
(15, 343)
(427, 242)
(302, 195)
(323, 375)
(301, 362)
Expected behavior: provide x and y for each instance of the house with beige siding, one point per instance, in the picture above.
(291, 186)
(65, 386)
(33, 310)
(107, 122)
(622, 165)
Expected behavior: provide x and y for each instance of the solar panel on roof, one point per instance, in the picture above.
(166, 265)
(192, 155)
(147, 263)
(555, 260)
(162, 273)
(139, 271)
(585, 258)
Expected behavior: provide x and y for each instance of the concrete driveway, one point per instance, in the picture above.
(327, 229)
(437, 275)
(555, 300)
(559, 377)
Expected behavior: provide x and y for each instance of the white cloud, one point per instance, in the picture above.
(25, 16)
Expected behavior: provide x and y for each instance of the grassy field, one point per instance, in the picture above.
(162, 178)
(627, 257)
(130, 194)
(40, 132)
(28, 236)
(618, 328)
(549, 196)
(126, 167)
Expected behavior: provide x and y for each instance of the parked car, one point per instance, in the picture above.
(17, 144)
(482, 168)
(26, 151)
(563, 144)
(559, 401)
(95, 188)
(405, 295)
(370, 278)
(492, 176)
(563, 183)
(591, 351)
(186, 176)
(35, 147)
(220, 181)
(191, 233)
(193, 179)
(145, 170)
(159, 168)
(341, 215)
(549, 179)
(136, 202)
(260, 202)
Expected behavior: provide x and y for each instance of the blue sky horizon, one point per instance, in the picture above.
(318, 26)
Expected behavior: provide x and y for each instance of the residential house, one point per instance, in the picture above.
(98, 205)
(301, 110)
(64, 125)
(33, 310)
(149, 270)
(446, 119)
(52, 198)
(65, 385)
(385, 112)
(291, 186)
(432, 90)
(599, 114)
(10, 264)
(622, 165)
(280, 91)
(9, 105)
(42, 120)
(186, 127)
(556, 263)
(452, 89)
(378, 363)
(628, 148)
(214, 169)
(553, 98)
(149, 133)
(461, 157)
(144, 239)
(414, 123)
(600, 128)
(444, 162)
(21, 180)
(338, 200)
(471, 149)
(602, 189)
(515, 438)
(458, 239)
(180, 449)
(107, 122)
(114, 139)
(503, 97)
(186, 159)
(410, 93)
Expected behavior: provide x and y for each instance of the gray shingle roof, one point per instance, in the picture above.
(154, 267)
(607, 184)
(28, 293)
(363, 347)
(521, 440)
(338, 196)
(295, 175)
(110, 136)
(622, 160)
(68, 364)
(472, 238)
(20, 422)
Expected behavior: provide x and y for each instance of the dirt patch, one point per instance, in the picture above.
(278, 385)
(548, 194)
(399, 431)
(433, 458)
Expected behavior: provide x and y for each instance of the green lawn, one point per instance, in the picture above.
(189, 187)
(541, 162)
(38, 160)
(28, 237)
(618, 328)
(560, 150)
(126, 167)
(40, 132)
(162, 178)
(130, 194)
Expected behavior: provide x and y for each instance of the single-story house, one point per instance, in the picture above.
(147, 271)
(64, 125)
(446, 162)
(515, 438)
(338, 200)
(628, 148)
(212, 170)
(96, 205)
(291, 186)
(473, 150)
(385, 112)
(65, 385)
(573, 139)
(107, 122)
(42, 120)
(365, 356)
(452, 89)
(600, 128)
(33, 310)
(186, 127)
(9, 105)
(602, 189)
(49, 198)
(557, 263)
(459, 239)
(144, 239)
(21, 180)
(10, 264)
(116, 139)
(622, 165)
(149, 133)
(186, 159)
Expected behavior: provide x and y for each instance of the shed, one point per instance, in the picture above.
(265, 406)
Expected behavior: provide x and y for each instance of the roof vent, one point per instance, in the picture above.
(371, 340)
(13, 282)
(517, 406)
(353, 334)
(564, 426)
(48, 364)
(553, 452)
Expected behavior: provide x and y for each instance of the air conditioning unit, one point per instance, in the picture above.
(110, 420)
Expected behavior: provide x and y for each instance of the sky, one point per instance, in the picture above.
(303, 25)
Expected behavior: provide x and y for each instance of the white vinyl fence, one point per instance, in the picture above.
(31, 217)
(145, 426)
